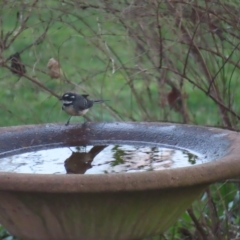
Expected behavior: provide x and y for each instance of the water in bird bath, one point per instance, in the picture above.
(103, 159)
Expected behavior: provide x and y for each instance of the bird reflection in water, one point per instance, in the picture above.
(80, 162)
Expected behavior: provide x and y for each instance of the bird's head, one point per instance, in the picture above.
(68, 98)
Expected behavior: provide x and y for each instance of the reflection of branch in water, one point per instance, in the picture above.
(80, 162)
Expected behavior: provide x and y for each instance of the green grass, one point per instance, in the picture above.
(86, 65)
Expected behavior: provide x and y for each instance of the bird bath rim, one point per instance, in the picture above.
(225, 141)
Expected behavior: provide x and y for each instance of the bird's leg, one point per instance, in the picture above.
(85, 121)
(68, 121)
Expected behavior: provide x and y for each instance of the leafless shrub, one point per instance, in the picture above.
(186, 46)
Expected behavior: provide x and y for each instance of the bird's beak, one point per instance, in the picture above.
(60, 98)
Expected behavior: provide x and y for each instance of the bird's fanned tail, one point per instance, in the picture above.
(99, 101)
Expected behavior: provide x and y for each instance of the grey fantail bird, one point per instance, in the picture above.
(76, 104)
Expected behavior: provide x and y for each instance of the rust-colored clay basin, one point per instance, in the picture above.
(109, 206)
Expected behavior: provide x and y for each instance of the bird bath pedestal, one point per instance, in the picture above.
(123, 206)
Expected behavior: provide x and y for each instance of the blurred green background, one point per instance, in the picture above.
(107, 58)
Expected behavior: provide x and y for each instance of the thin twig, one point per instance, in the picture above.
(34, 81)
(197, 224)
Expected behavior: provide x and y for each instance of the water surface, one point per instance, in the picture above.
(99, 159)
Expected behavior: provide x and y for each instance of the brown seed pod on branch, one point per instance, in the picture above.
(54, 68)
(175, 99)
(17, 67)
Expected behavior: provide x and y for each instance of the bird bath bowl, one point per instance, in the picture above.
(109, 206)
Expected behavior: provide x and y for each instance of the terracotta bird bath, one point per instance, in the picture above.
(122, 206)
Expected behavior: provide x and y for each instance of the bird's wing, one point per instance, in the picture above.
(83, 103)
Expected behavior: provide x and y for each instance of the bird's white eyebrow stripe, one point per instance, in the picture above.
(67, 102)
(66, 95)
